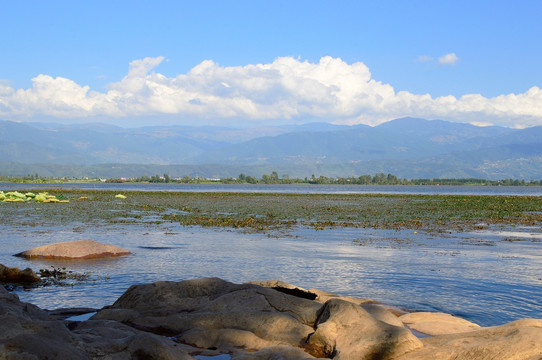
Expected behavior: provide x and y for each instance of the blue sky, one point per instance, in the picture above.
(256, 62)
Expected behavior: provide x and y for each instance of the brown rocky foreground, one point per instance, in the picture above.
(79, 249)
(259, 320)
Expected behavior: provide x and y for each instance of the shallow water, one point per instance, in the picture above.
(489, 277)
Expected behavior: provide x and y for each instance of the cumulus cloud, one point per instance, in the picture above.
(448, 59)
(286, 89)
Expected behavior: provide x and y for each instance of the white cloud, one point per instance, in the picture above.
(287, 88)
(448, 59)
(424, 58)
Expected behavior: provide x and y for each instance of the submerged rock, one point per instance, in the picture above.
(79, 249)
(15, 275)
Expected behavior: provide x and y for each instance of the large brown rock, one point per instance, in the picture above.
(347, 331)
(379, 312)
(250, 322)
(113, 340)
(79, 249)
(27, 332)
(15, 275)
(213, 313)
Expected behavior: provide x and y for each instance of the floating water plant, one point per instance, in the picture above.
(15, 196)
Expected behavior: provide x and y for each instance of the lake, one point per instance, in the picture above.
(489, 276)
(293, 189)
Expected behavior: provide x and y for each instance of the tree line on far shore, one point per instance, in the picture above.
(377, 179)
(274, 178)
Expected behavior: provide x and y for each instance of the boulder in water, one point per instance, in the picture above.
(80, 249)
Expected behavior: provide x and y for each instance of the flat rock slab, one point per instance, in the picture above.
(80, 249)
(437, 323)
(518, 340)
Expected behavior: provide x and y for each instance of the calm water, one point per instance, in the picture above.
(299, 189)
(489, 277)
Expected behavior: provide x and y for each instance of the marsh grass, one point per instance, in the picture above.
(264, 211)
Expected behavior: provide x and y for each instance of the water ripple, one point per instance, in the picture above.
(489, 285)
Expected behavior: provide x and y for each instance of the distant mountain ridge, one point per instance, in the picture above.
(406, 147)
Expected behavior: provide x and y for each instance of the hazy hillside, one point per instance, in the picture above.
(406, 147)
(402, 139)
(98, 143)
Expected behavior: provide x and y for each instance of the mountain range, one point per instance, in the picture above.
(406, 147)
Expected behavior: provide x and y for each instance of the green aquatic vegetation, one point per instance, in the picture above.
(56, 273)
(263, 211)
(15, 196)
(61, 276)
(231, 221)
